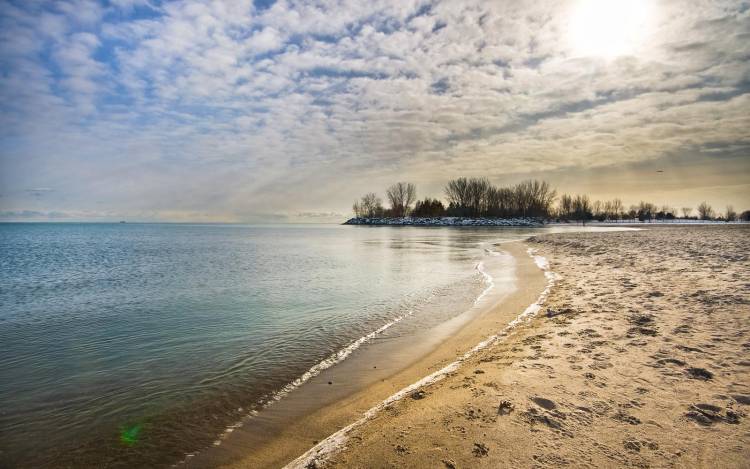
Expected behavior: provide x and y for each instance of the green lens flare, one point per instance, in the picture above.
(129, 436)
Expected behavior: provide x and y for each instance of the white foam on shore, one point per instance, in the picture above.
(336, 441)
(336, 358)
(312, 372)
(488, 280)
(540, 261)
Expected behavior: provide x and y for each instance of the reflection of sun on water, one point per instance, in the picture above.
(609, 28)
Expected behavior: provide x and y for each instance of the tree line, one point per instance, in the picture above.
(479, 198)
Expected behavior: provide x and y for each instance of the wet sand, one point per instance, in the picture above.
(640, 357)
(252, 447)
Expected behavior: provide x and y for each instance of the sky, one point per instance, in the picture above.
(284, 110)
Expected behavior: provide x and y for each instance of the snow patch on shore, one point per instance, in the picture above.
(336, 441)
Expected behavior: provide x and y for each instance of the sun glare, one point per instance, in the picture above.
(609, 28)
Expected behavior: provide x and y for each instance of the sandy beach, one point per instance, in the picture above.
(639, 357)
(250, 446)
(345, 234)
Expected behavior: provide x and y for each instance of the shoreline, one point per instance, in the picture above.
(299, 436)
(640, 361)
(519, 222)
(319, 453)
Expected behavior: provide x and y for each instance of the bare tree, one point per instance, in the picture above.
(612, 210)
(617, 210)
(428, 208)
(582, 208)
(501, 202)
(477, 197)
(597, 210)
(369, 206)
(731, 215)
(646, 211)
(457, 193)
(565, 207)
(666, 213)
(468, 197)
(705, 211)
(401, 195)
(669, 211)
(534, 198)
(478, 189)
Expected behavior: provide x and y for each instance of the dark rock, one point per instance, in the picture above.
(633, 446)
(402, 449)
(480, 450)
(505, 408)
(699, 373)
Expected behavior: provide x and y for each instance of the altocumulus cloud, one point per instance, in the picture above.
(223, 110)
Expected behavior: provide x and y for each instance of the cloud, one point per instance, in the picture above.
(31, 215)
(198, 107)
(39, 191)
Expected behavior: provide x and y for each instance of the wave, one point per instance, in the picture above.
(487, 280)
(328, 362)
(334, 359)
(328, 446)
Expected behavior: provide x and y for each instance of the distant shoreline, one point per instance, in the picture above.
(445, 221)
(522, 222)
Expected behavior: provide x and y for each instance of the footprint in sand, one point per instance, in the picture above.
(624, 417)
(544, 403)
(708, 414)
(699, 373)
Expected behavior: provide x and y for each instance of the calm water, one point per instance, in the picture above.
(128, 345)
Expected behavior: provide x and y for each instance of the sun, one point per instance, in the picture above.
(609, 28)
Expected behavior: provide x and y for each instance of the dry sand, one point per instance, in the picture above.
(641, 357)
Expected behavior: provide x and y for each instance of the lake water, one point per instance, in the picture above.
(130, 345)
